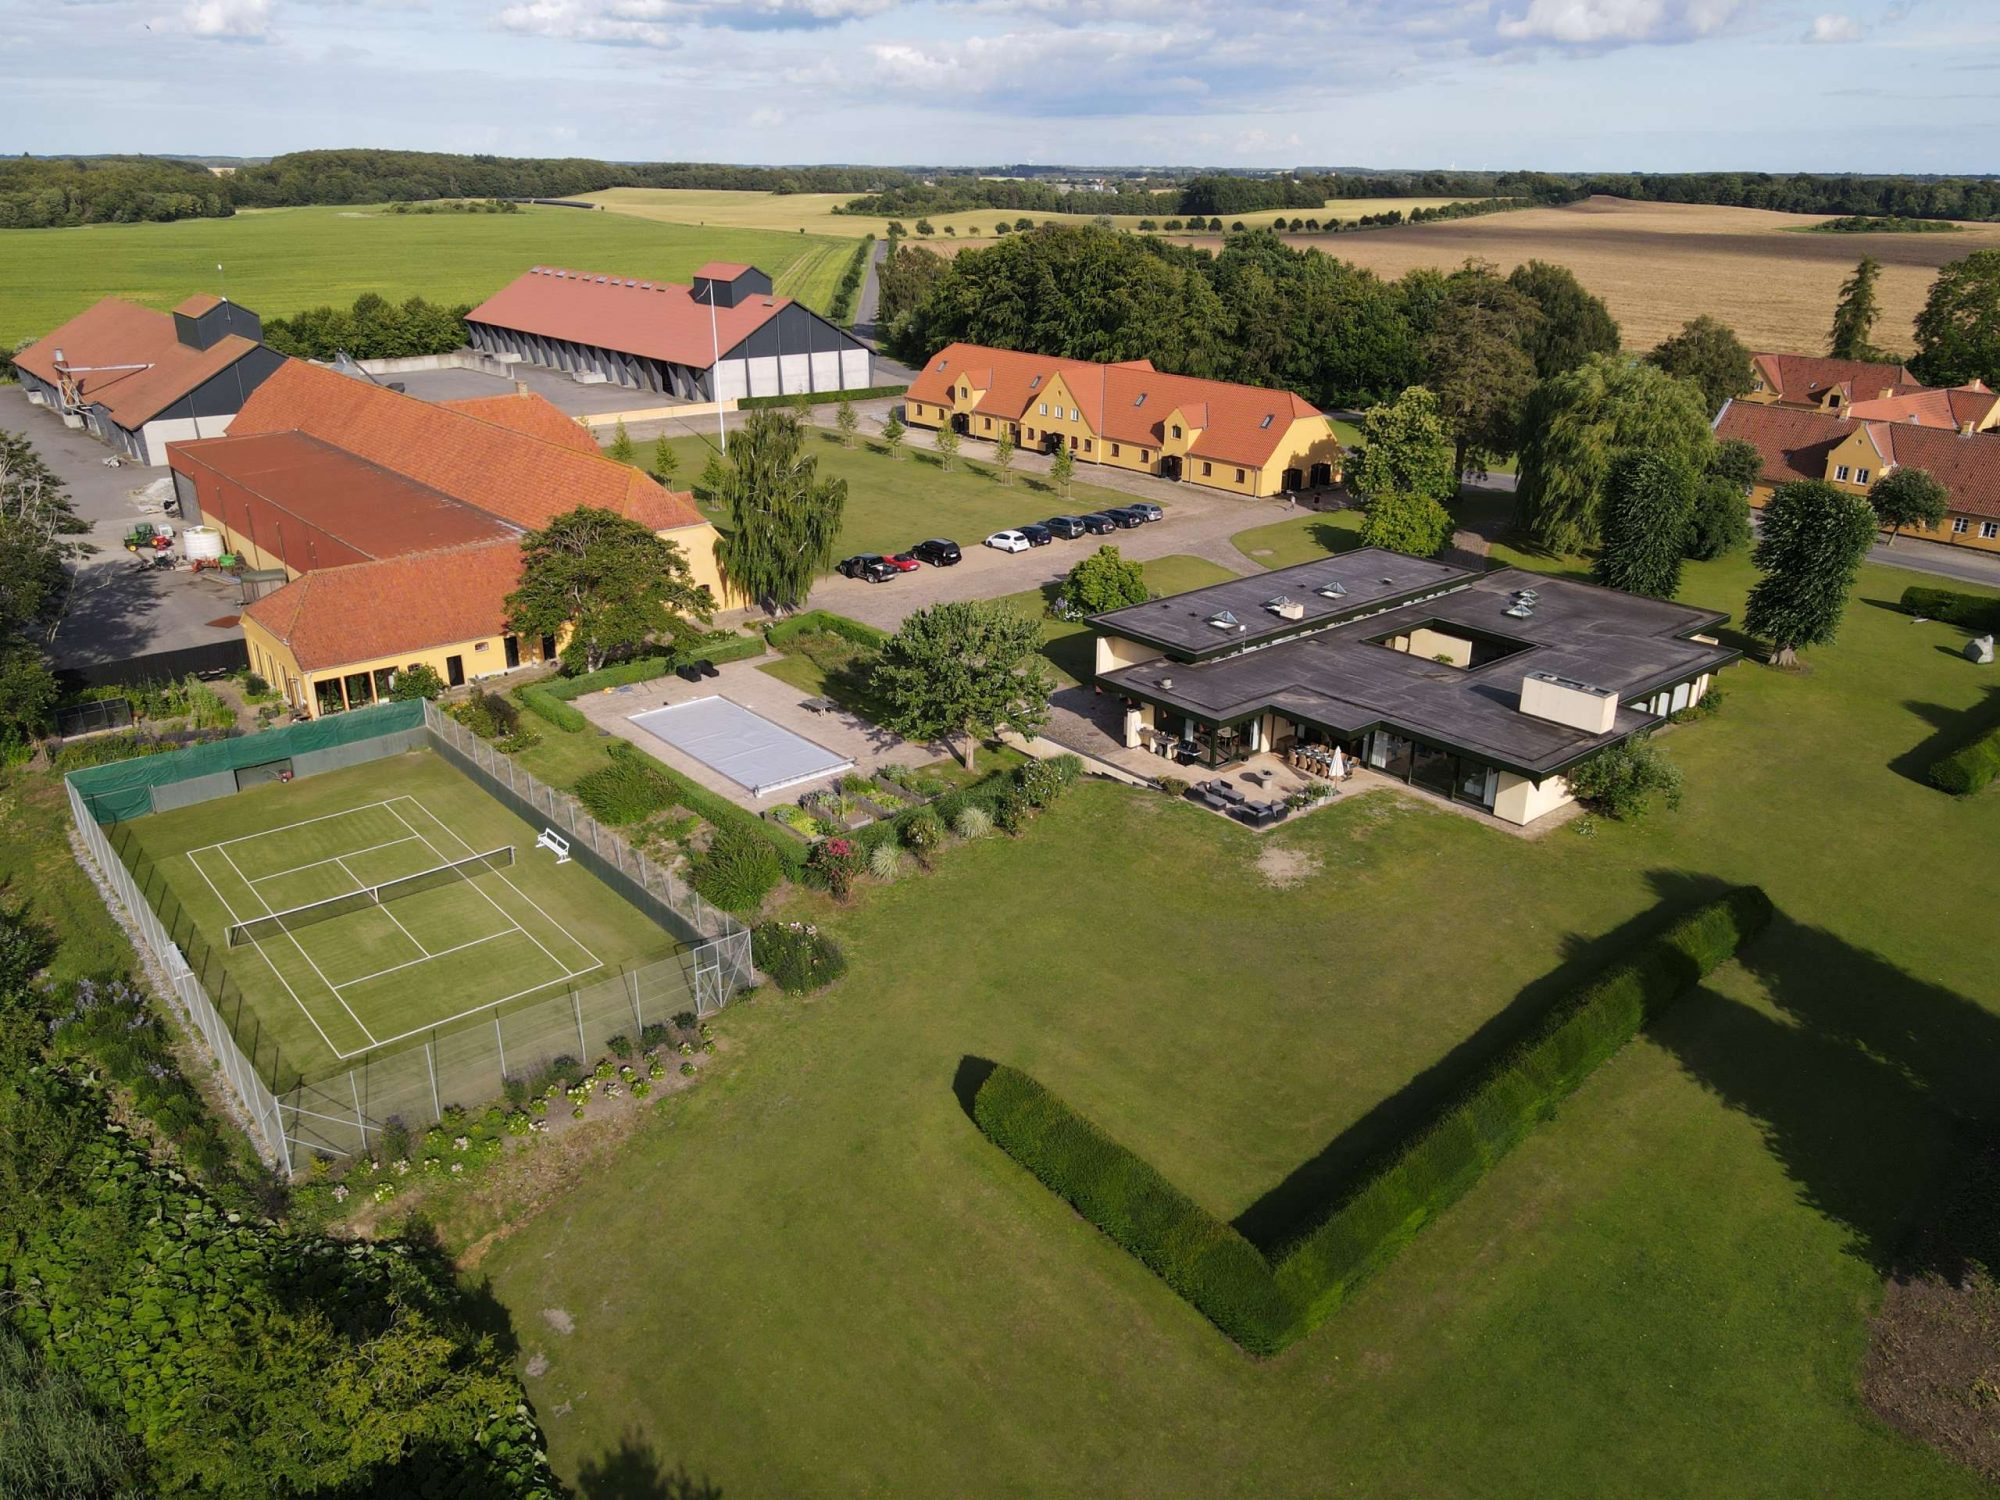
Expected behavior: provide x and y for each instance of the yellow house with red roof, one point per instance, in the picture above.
(1239, 438)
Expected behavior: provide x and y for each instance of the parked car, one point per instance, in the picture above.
(869, 567)
(903, 562)
(1069, 528)
(1125, 517)
(1008, 541)
(1098, 523)
(937, 552)
(1038, 535)
(1147, 510)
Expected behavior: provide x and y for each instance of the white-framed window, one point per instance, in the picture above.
(1042, 410)
(1860, 476)
(1988, 530)
(1841, 473)
(1959, 526)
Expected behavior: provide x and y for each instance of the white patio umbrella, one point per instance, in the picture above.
(1339, 764)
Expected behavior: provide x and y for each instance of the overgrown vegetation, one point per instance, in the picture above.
(374, 328)
(629, 788)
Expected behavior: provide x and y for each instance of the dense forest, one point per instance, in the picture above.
(1226, 193)
(42, 192)
(958, 194)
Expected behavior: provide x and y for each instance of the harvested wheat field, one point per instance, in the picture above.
(1659, 264)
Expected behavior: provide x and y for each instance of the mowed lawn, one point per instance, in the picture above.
(819, 1278)
(277, 261)
(520, 934)
(894, 503)
(1068, 643)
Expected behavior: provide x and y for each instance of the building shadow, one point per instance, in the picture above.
(1313, 1190)
(1952, 730)
(633, 1471)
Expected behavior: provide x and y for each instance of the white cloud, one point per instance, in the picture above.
(660, 23)
(232, 18)
(1599, 23)
(1834, 29)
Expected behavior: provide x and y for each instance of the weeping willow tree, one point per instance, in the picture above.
(784, 520)
(1576, 422)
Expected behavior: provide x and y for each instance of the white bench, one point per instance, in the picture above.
(555, 843)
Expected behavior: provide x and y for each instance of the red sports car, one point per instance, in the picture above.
(903, 562)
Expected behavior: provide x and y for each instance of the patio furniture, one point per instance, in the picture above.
(817, 705)
(1258, 778)
(706, 668)
(687, 674)
(1228, 793)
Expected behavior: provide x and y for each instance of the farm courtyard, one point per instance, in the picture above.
(1665, 1290)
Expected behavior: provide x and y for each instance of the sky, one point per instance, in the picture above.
(1589, 85)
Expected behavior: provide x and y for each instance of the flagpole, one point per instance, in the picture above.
(715, 369)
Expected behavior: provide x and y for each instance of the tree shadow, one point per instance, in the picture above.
(1870, 1085)
(633, 1471)
(1952, 730)
(1312, 1190)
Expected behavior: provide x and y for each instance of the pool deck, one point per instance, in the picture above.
(868, 745)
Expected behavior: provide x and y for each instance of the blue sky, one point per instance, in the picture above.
(1819, 85)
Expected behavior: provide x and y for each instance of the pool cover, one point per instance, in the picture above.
(746, 747)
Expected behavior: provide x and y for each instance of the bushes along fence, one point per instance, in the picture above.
(1263, 1306)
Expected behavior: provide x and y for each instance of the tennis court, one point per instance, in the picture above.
(748, 748)
(361, 908)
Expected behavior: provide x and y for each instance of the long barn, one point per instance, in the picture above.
(724, 336)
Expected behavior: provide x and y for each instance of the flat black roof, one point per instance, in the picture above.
(1340, 680)
(1370, 579)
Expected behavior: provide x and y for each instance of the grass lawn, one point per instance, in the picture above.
(893, 503)
(1664, 1291)
(1301, 539)
(281, 260)
(824, 665)
(1067, 643)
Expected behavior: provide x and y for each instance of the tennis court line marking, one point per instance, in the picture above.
(382, 906)
(302, 822)
(298, 945)
(491, 937)
(330, 860)
(567, 972)
(234, 919)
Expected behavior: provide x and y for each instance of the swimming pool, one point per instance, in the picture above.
(756, 754)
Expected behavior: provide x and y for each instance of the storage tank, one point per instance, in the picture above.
(201, 543)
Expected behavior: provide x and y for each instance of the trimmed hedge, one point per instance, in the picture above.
(820, 398)
(1264, 1307)
(539, 700)
(550, 697)
(1969, 770)
(1196, 1254)
(1973, 611)
(824, 621)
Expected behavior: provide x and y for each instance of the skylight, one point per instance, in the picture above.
(1267, 419)
(1141, 401)
(1333, 588)
(1222, 619)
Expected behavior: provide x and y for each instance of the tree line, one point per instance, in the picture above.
(374, 328)
(54, 192)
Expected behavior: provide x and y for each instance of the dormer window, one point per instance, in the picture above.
(1177, 431)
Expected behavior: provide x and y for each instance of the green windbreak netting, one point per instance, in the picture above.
(124, 789)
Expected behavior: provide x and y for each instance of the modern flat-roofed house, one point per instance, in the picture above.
(1480, 688)
(1851, 452)
(139, 379)
(723, 336)
(391, 527)
(1239, 438)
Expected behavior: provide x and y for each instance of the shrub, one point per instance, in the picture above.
(1043, 781)
(619, 1046)
(627, 789)
(1705, 707)
(653, 1034)
(885, 861)
(1173, 786)
(539, 700)
(1968, 770)
(418, 680)
(1013, 812)
(1622, 781)
(973, 823)
(1973, 611)
(833, 864)
(738, 871)
(1196, 1254)
(923, 831)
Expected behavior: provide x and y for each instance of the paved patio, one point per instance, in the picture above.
(868, 745)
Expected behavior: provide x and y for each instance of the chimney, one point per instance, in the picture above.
(1965, 428)
(520, 386)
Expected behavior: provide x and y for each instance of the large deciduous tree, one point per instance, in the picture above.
(1479, 364)
(1909, 498)
(1958, 332)
(1854, 315)
(607, 580)
(784, 520)
(1573, 324)
(964, 671)
(38, 527)
(1814, 539)
(1412, 524)
(1105, 581)
(1405, 449)
(1577, 421)
(1711, 355)
(1648, 505)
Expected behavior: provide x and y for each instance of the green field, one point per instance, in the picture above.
(895, 503)
(335, 989)
(1665, 1291)
(277, 261)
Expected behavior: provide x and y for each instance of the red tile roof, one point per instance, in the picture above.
(392, 608)
(520, 478)
(721, 270)
(655, 320)
(198, 304)
(1127, 402)
(1924, 407)
(1795, 445)
(117, 332)
(1806, 378)
(526, 412)
(326, 491)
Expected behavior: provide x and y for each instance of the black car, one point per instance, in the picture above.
(1124, 517)
(1069, 528)
(1098, 523)
(937, 552)
(869, 567)
(1038, 536)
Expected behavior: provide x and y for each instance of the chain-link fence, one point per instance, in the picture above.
(468, 1061)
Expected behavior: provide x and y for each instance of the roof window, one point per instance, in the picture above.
(1037, 380)
(1141, 401)
(1267, 419)
(1333, 588)
(1222, 619)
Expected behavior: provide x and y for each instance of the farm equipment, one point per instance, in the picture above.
(227, 562)
(148, 537)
